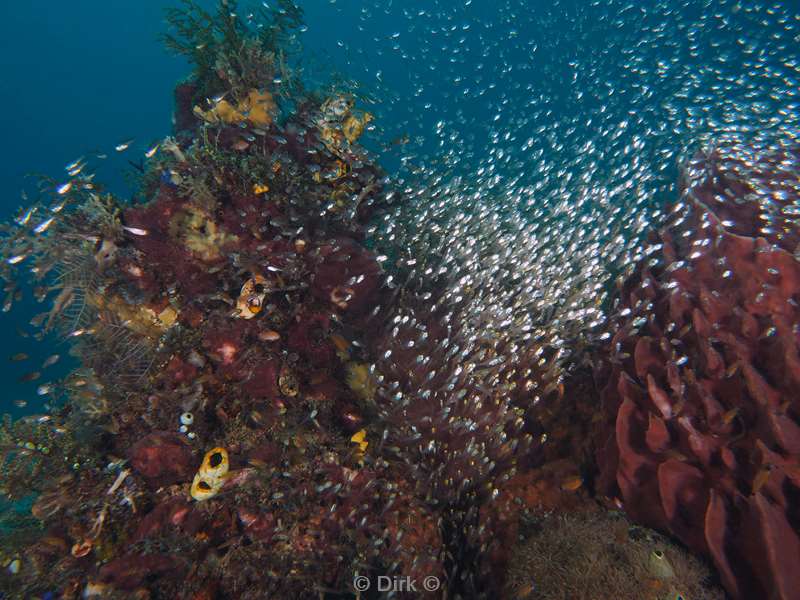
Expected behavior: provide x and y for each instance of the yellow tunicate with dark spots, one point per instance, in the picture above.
(211, 476)
(215, 463)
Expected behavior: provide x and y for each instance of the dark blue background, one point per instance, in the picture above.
(76, 76)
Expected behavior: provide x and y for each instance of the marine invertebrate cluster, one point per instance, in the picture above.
(702, 429)
(256, 109)
(595, 555)
(219, 312)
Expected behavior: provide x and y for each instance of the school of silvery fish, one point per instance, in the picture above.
(575, 290)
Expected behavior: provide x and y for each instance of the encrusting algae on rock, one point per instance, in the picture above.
(256, 109)
(199, 232)
(340, 125)
(151, 322)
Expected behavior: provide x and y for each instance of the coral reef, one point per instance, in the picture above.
(594, 555)
(292, 372)
(274, 409)
(702, 430)
(220, 312)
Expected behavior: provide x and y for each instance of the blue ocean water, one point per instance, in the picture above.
(78, 78)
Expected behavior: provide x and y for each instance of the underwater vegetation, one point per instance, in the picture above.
(592, 555)
(296, 369)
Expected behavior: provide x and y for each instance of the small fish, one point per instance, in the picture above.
(17, 259)
(124, 145)
(257, 463)
(258, 418)
(659, 566)
(57, 208)
(525, 591)
(19, 356)
(150, 153)
(38, 319)
(64, 188)
(43, 226)
(672, 453)
(359, 437)
(135, 230)
(76, 171)
(51, 360)
(401, 140)
(217, 99)
(761, 478)
(20, 403)
(342, 345)
(269, 336)
(73, 164)
(45, 389)
(32, 376)
(26, 217)
(730, 415)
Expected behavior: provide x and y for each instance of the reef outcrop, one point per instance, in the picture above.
(217, 323)
(701, 436)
